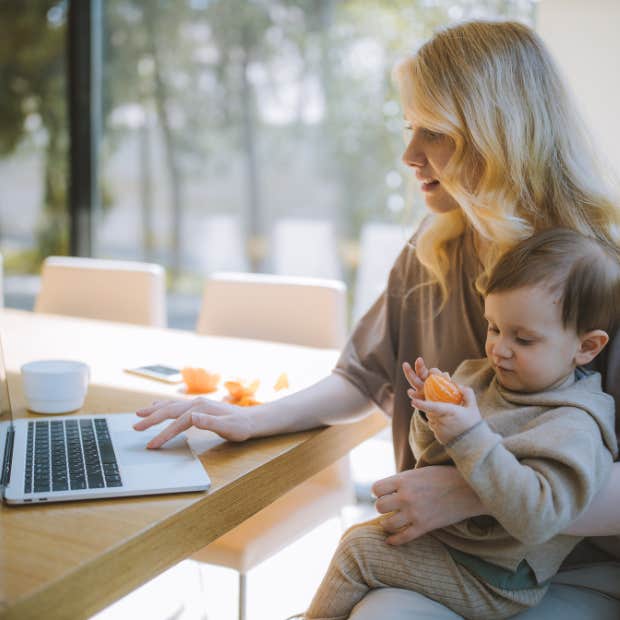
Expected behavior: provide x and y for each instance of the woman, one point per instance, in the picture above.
(499, 153)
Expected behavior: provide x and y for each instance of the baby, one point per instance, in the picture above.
(534, 438)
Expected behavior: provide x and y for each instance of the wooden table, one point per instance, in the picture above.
(71, 560)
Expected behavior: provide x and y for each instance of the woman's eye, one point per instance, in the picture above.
(432, 135)
(492, 329)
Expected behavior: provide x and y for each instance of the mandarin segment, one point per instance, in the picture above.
(281, 383)
(242, 394)
(199, 381)
(441, 389)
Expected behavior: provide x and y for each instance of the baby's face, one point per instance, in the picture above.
(527, 345)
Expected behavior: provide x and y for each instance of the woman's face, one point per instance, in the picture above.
(428, 153)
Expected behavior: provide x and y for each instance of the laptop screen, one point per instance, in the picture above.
(6, 425)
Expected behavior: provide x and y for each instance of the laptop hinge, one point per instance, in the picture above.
(8, 458)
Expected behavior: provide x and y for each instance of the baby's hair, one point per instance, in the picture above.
(585, 272)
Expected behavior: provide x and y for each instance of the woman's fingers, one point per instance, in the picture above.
(387, 503)
(394, 522)
(406, 534)
(172, 430)
(153, 407)
(168, 409)
(385, 486)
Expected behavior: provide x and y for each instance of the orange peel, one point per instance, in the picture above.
(199, 381)
(242, 394)
(281, 383)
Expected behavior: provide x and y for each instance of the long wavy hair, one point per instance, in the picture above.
(494, 90)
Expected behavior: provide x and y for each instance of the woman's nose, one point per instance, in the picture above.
(414, 156)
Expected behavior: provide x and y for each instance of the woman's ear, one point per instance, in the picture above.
(592, 343)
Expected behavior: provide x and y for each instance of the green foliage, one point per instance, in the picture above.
(206, 73)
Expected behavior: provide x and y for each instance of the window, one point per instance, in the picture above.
(33, 141)
(236, 134)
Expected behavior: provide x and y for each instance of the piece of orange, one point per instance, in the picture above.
(199, 381)
(441, 389)
(242, 394)
(282, 382)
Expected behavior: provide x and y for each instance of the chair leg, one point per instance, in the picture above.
(242, 595)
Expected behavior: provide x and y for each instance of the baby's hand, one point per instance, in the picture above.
(418, 375)
(446, 420)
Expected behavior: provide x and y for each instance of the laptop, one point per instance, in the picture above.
(82, 457)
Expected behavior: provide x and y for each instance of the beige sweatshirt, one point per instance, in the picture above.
(535, 461)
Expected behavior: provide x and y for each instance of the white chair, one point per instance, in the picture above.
(285, 309)
(123, 291)
(305, 311)
(305, 247)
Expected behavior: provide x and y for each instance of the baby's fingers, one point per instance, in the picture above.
(421, 369)
(469, 396)
(434, 407)
(412, 378)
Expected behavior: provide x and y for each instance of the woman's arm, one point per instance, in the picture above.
(422, 500)
(602, 516)
(332, 400)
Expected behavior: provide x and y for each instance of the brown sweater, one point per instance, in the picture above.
(535, 461)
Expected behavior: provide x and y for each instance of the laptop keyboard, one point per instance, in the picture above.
(64, 455)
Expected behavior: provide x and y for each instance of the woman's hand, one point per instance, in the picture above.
(422, 500)
(229, 421)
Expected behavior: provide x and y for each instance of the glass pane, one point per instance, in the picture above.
(261, 135)
(33, 142)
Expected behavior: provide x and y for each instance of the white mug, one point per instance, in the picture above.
(55, 386)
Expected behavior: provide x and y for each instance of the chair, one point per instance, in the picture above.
(124, 291)
(305, 311)
(296, 310)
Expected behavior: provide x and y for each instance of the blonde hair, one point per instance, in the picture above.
(494, 90)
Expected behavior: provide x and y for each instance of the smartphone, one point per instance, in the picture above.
(159, 372)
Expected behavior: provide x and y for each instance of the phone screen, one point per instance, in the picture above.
(161, 370)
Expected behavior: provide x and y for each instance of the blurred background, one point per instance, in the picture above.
(248, 135)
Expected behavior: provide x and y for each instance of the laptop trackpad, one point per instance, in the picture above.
(131, 449)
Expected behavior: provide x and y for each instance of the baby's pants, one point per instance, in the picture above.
(364, 561)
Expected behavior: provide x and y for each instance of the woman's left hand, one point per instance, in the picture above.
(422, 500)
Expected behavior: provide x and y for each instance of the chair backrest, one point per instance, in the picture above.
(124, 291)
(295, 310)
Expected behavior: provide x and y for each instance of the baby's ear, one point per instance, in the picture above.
(592, 343)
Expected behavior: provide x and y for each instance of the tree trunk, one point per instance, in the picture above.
(146, 190)
(254, 217)
(161, 105)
